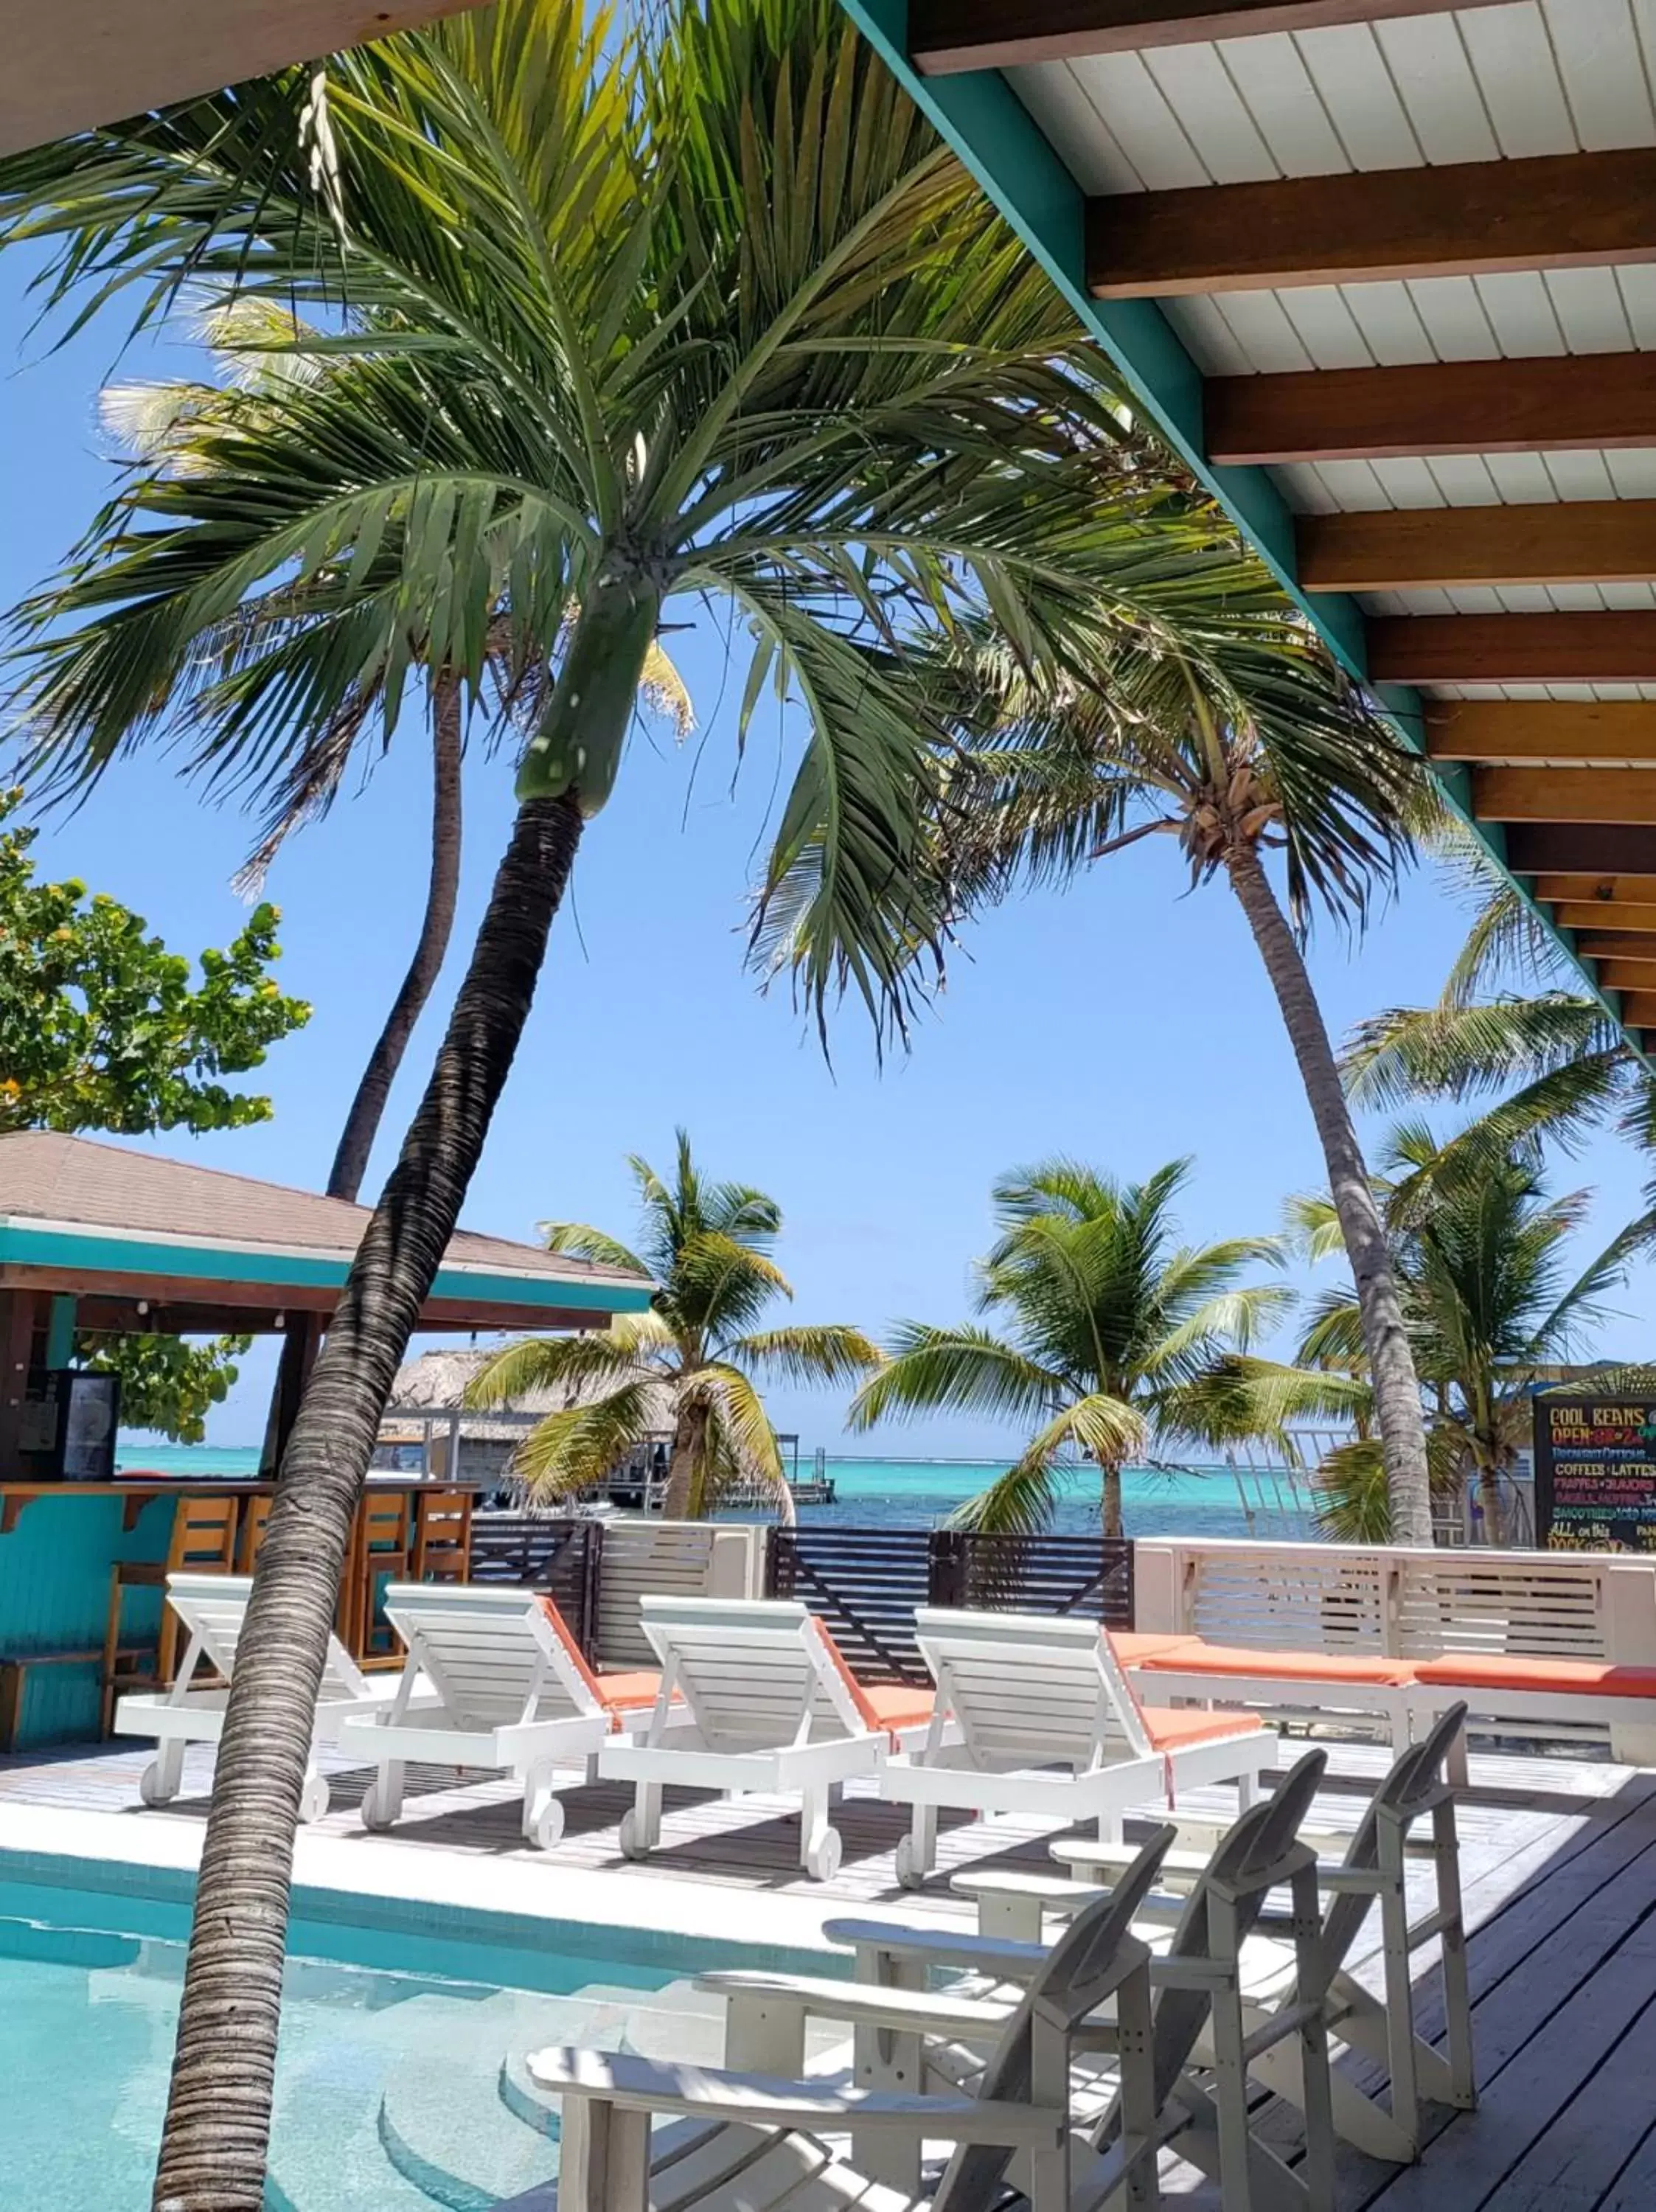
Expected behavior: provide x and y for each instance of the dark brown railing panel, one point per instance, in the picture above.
(867, 1583)
(561, 1558)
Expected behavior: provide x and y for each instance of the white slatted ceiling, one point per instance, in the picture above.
(1532, 78)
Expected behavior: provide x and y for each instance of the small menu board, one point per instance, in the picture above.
(1595, 1467)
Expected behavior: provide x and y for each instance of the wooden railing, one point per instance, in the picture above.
(867, 1583)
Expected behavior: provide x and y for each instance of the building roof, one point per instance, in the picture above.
(437, 1382)
(87, 62)
(71, 1205)
(1379, 271)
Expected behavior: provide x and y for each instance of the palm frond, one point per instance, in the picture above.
(576, 1449)
(823, 1351)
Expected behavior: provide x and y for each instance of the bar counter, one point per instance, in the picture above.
(59, 1545)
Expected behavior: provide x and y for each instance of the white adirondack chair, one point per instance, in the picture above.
(748, 2141)
(510, 1692)
(771, 1708)
(1372, 1870)
(1201, 2033)
(213, 1611)
(1044, 1720)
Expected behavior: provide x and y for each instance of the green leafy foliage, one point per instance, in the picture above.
(688, 1365)
(102, 1028)
(168, 1384)
(1115, 1334)
(1478, 1246)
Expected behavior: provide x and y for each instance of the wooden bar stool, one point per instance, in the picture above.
(254, 1522)
(203, 1542)
(442, 1536)
(381, 1551)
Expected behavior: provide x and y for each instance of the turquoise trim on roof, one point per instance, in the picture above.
(84, 1251)
(983, 120)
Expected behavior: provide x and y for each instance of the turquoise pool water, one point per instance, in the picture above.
(401, 2085)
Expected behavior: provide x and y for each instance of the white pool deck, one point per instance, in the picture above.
(1559, 1865)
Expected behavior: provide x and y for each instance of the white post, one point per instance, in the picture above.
(1629, 1598)
(1158, 1594)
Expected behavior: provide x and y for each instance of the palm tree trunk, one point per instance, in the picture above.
(350, 1161)
(689, 1440)
(1110, 1498)
(216, 2136)
(1397, 1390)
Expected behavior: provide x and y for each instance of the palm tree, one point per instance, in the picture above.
(709, 1247)
(188, 428)
(1113, 1334)
(610, 318)
(1240, 740)
(1478, 1250)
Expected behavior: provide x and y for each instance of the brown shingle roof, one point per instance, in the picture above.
(50, 1177)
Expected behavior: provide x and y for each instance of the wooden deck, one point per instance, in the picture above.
(1559, 1865)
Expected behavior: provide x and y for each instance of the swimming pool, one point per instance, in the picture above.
(401, 2084)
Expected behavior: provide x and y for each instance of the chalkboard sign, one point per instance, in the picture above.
(1595, 1469)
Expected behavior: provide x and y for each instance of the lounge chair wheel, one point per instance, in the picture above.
(822, 1863)
(152, 1790)
(910, 1872)
(547, 1824)
(632, 1847)
(313, 1798)
(374, 1815)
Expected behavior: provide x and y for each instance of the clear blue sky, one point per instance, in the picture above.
(1125, 1021)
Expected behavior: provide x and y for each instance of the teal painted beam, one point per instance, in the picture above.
(982, 119)
(23, 1244)
(60, 1332)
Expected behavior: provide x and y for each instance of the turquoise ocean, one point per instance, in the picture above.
(914, 1493)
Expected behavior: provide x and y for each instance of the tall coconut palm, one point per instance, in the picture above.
(1115, 1333)
(1479, 1251)
(1240, 742)
(709, 1247)
(191, 428)
(610, 318)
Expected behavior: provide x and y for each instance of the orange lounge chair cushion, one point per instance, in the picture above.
(898, 1705)
(1132, 1647)
(1472, 1670)
(1197, 1658)
(881, 1707)
(622, 1693)
(1172, 1728)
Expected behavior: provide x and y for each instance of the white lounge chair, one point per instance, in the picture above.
(213, 1609)
(772, 1706)
(748, 2140)
(509, 1692)
(1044, 1720)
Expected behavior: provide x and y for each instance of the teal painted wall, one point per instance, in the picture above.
(54, 1595)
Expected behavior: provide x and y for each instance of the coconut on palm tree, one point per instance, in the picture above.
(1236, 737)
(1102, 1333)
(695, 1355)
(1492, 1309)
(698, 309)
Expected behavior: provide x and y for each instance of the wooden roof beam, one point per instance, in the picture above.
(1545, 849)
(1617, 945)
(948, 36)
(1574, 794)
(1519, 732)
(1570, 648)
(1467, 219)
(1561, 405)
(1608, 891)
(1611, 541)
(1611, 923)
(1627, 975)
